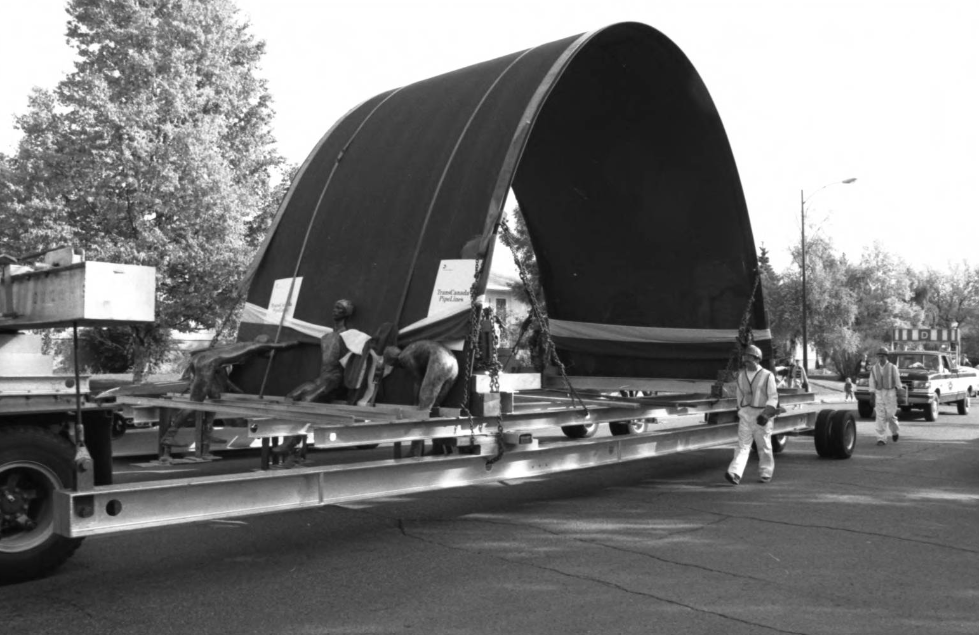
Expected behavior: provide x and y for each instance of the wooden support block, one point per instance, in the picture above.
(506, 403)
(509, 382)
(486, 404)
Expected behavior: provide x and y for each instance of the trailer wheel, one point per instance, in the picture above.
(583, 431)
(33, 464)
(634, 426)
(822, 433)
(842, 434)
(618, 428)
(931, 410)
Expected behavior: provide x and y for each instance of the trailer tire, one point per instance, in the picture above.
(866, 409)
(931, 410)
(842, 434)
(821, 435)
(33, 464)
(582, 431)
(963, 405)
(634, 426)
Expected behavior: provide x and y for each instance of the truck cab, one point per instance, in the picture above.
(929, 378)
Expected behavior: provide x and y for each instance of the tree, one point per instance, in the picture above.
(526, 331)
(783, 304)
(157, 150)
(830, 305)
(952, 297)
(882, 285)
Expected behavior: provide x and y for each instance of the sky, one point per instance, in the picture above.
(810, 93)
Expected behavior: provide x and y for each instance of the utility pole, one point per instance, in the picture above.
(805, 299)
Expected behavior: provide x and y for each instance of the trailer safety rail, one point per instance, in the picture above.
(678, 423)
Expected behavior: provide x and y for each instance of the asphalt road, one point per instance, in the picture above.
(885, 542)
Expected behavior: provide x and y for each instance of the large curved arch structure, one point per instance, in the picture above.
(620, 165)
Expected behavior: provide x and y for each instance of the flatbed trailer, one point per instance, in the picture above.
(659, 307)
(491, 448)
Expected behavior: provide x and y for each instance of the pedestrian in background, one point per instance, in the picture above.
(757, 406)
(847, 390)
(885, 379)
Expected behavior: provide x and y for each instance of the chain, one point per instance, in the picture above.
(506, 235)
(471, 340)
(494, 366)
(745, 335)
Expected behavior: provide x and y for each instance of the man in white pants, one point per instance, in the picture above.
(885, 379)
(757, 405)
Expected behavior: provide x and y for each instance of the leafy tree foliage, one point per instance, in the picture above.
(949, 298)
(783, 303)
(110, 350)
(854, 307)
(157, 150)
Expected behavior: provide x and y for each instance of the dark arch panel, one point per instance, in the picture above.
(619, 161)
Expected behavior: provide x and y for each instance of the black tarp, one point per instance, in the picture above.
(620, 165)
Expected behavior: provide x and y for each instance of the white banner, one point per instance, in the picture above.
(452, 286)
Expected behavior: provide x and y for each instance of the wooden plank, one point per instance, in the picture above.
(238, 409)
(612, 384)
(300, 408)
(525, 398)
(153, 388)
(392, 411)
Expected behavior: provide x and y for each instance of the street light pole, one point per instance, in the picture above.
(805, 302)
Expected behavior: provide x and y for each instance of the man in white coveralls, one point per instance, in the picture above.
(885, 379)
(757, 405)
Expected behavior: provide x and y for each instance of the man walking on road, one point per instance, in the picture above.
(757, 398)
(884, 382)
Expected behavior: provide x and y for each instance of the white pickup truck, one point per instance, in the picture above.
(930, 378)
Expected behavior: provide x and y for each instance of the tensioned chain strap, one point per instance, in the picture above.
(745, 335)
(506, 235)
(471, 340)
(494, 369)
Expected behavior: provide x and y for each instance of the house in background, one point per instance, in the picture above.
(505, 294)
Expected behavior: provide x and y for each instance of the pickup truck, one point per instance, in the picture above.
(930, 378)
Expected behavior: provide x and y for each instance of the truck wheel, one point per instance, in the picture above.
(842, 434)
(583, 431)
(963, 405)
(33, 464)
(931, 410)
(779, 442)
(822, 433)
(865, 409)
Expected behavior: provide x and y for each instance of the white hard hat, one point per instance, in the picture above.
(752, 350)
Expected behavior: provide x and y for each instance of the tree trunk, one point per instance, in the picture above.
(141, 352)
